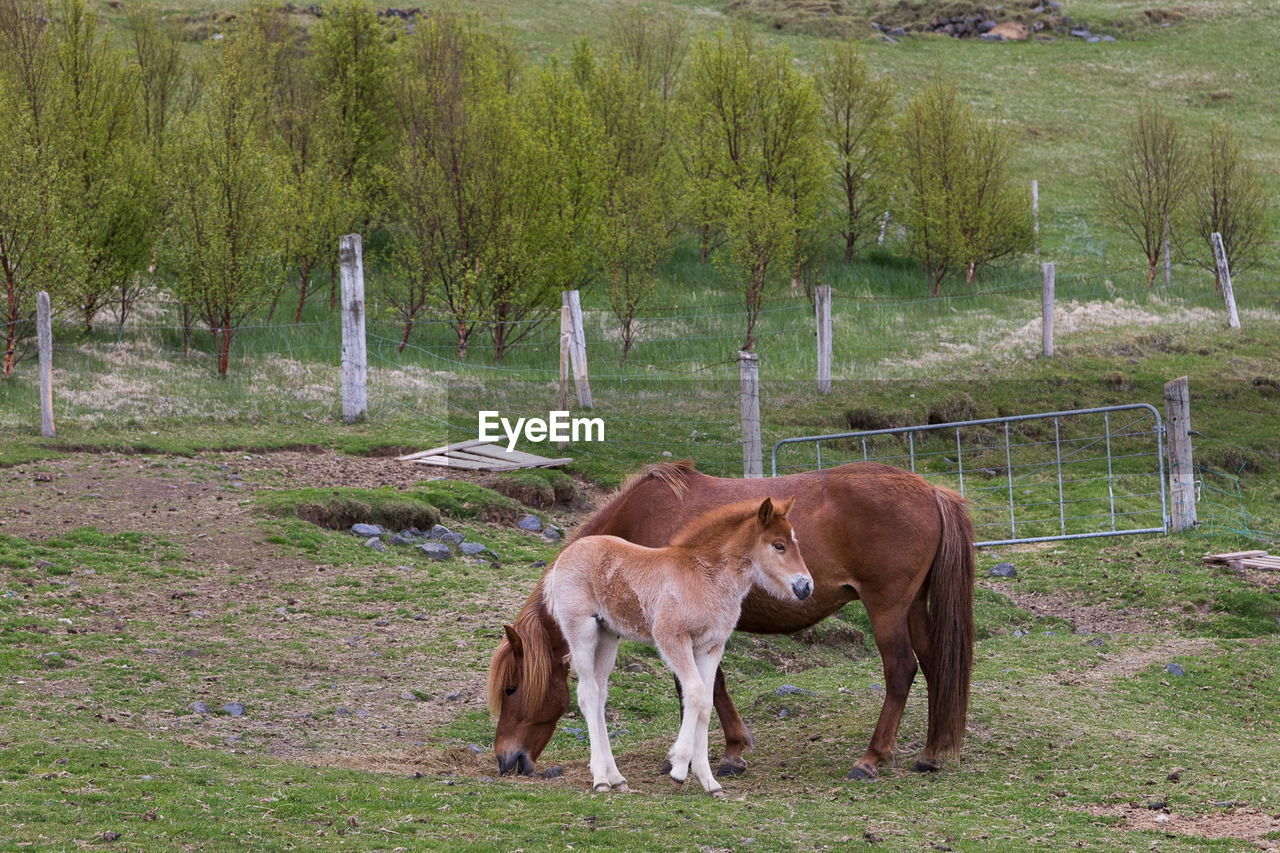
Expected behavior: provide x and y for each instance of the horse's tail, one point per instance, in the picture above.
(528, 666)
(951, 624)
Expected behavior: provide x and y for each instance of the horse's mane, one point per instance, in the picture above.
(534, 676)
(674, 474)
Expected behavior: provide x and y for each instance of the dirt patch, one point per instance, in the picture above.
(1243, 822)
(1083, 618)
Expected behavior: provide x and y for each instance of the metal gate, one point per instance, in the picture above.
(1029, 478)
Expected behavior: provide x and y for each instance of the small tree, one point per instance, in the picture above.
(955, 196)
(761, 156)
(1228, 195)
(856, 126)
(223, 240)
(1145, 183)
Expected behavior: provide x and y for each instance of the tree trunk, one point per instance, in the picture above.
(704, 247)
(186, 329)
(463, 332)
(404, 338)
(848, 247)
(224, 349)
(1152, 263)
(11, 324)
(627, 338)
(304, 281)
(972, 273)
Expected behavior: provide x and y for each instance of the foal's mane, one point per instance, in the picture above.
(710, 529)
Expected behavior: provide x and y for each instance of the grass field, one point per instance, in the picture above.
(152, 557)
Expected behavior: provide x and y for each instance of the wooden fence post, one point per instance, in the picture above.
(1046, 309)
(566, 346)
(1182, 474)
(1168, 256)
(355, 356)
(749, 404)
(1035, 214)
(44, 335)
(822, 305)
(578, 351)
(1224, 275)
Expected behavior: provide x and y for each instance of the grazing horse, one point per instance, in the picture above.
(871, 532)
(684, 598)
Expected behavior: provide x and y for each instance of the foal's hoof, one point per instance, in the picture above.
(676, 783)
(925, 764)
(602, 788)
(864, 773)
(731, 767)
(718, 792)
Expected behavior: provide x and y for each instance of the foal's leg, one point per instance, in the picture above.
(678, 653)
(584, 636)
(606, 657)
(889, 624)
(708, 665)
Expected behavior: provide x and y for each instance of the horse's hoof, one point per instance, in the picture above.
(731, 767)
(622, 788)
(718, 792)
(860, 772)
(924, 764)
(602, 788)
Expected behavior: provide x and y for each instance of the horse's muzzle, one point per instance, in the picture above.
(515, 762)
(802, 587)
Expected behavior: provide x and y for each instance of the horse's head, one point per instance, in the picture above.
(776, 556)
(528, 693)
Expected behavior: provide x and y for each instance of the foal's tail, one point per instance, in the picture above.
(951, 624)
(526, 663)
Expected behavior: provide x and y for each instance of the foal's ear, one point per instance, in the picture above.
(766, 512)
(784, 507)
(513, 637)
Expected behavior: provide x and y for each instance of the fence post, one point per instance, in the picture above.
(355, 357)
(1168, 256)
(1182, 475)
(1224, 275)
(566, 345)
(749, 403)
(1046, 309)
(44, 334)
(1035, 214)
(822, 304)
(578, 349)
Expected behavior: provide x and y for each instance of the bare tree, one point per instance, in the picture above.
(1227, 196)
(1145, 183)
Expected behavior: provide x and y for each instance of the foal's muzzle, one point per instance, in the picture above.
(802, 587)
(515, 762)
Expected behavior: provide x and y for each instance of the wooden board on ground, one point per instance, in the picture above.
(1246, 560)
(479, 455)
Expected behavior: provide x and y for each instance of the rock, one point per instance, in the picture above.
(476, 748)
(1175, 669)
(454, 697)
(1020, 633)
(198, 708)
(991, 37)
(408, 696)
(403, 538)
(1107, 38)
(52, 660)
(342, 711)
(375, 543)
(1093, 39)
(986, 26)
(435, 550)
(110, 836)
(419, 617)
(551, 535)
(530, 522)
(470, 549)
(783, 714)
(639, 667)
(1080, 32)
(538, 564)
(235, 709)
(1003, 570)
(1011, 30)
(898, 32)
(792, 690)
(552, 772)
(366, 530)
(1096, 641)
(440, 533)
(382, 623)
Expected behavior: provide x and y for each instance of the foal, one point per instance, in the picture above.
(685, 599)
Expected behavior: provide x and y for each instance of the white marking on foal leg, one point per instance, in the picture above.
(680, 658)
(707, 664)
(583, 637)
(606, 657)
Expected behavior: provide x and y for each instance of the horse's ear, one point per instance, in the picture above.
(766, 512)
(784, 507)
(513, 637)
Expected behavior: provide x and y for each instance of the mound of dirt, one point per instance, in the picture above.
(965, 19)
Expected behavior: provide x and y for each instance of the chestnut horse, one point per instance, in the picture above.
(870, 532)
(684, 598)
